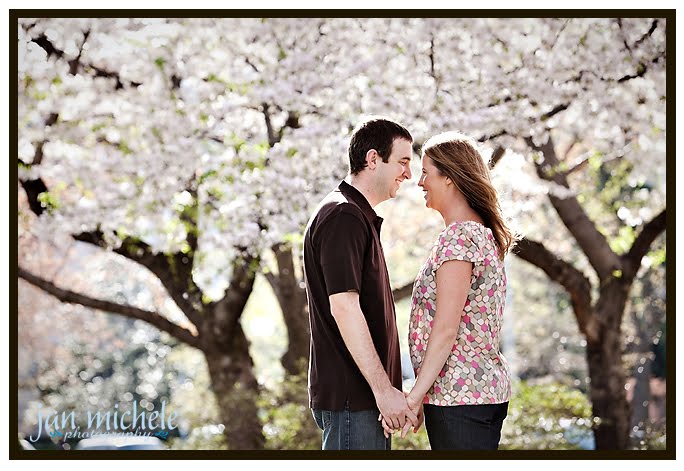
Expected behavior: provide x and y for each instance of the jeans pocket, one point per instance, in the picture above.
(318, 418)
(327, 418)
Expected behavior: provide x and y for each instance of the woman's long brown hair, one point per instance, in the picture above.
(456, 157)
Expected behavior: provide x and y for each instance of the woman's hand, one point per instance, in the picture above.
(416, 405)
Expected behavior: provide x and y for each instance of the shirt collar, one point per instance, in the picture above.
(357, 197)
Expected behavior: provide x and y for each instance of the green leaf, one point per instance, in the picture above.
(624, 240)
(123, 147)
(294, 238)
(207, 175)
(48, 201)
(657, 257)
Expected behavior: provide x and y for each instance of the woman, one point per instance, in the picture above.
(462, 379)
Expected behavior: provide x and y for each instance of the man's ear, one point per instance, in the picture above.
(372, 159)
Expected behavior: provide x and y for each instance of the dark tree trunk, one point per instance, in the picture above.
(606, 370)
(643, 369)
(291, 296)
(230, 365)
(236, 389)
(600, 323)
(218, 335)
(641, 397)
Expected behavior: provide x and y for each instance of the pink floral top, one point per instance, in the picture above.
(475, 372)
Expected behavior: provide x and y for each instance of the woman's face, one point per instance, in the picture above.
(433, 184)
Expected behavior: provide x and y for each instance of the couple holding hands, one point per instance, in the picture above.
(462, 385)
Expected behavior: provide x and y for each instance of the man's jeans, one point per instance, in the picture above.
(468, 427)
(347, 430)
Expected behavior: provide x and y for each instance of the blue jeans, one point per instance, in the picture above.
(472, 427)
(347, 430)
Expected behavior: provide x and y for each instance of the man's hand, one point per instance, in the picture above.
(394, 409)
(350, 320)
(386, 429)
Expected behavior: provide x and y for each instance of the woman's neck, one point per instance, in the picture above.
(459, 213)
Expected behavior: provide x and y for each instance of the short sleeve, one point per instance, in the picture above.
(458, 242)
(343, 241)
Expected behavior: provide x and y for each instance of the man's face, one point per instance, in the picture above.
(397, 169)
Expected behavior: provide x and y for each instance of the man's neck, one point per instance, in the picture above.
(364, 187)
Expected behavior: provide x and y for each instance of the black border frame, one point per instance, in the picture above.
(17, 453)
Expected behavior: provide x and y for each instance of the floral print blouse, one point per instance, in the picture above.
(475, 372)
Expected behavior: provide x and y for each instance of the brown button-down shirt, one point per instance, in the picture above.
(342, 252)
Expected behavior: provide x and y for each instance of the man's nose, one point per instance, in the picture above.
(407, 171)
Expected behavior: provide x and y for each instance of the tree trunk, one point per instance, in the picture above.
(295, 314)
(641, 396)
(230, 365)
(604, 357)
(236, 390)
(292, 299)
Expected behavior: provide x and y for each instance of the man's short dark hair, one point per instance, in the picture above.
(375, 133)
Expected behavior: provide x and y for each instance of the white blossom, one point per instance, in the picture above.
(157, 110)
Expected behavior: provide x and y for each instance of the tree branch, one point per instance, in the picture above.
(33, 188)
(591, 241)
(172, 277)
(402, 292)
(575, 283)
(554, 111)
(177, 279)
(272, 280)
(496, 156)
(272, 139)
(224, 323)
(650, 230)
(76, 64)
(152, 318)
(579, 165)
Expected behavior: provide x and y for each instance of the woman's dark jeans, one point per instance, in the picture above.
(471, 427)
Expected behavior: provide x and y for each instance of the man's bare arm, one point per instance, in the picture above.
(350, 320)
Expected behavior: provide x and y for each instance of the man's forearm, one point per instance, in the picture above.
(356, 336)
(350, 320)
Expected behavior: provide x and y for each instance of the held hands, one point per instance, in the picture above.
(415, 407)
(394, 409)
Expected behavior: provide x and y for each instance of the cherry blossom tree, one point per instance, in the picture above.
(198, 148)
(572, 93)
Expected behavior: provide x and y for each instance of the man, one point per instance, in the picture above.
(355, 365)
